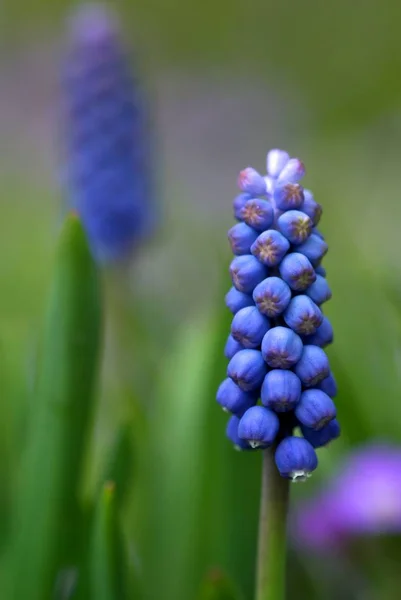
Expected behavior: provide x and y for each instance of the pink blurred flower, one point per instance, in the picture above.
(363, 498)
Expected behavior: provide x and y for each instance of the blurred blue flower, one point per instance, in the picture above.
(362, 498)
(277, 333)
(106, 137)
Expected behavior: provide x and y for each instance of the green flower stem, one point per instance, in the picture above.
(270, 583)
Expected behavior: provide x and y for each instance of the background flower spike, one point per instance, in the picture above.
(106, 137)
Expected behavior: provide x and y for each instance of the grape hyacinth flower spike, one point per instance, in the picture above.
(106, 139)
(279, 387)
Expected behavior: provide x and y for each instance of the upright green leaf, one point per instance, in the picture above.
(46, 506)
(107, 575)
(200, 488)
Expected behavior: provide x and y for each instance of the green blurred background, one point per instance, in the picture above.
(226, 81)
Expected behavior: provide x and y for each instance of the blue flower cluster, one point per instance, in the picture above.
(106, 137)
(279, 376)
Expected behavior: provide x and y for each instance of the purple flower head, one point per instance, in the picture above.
(107, 142)
(363, 498)
(279, 377)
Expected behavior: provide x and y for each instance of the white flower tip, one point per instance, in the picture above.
(276, 161)
(255, 443)
(298, 476)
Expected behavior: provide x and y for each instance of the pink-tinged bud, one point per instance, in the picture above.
(293, 171)
(250, 182)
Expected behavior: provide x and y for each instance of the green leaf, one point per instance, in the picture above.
(199, 488)
(218, 586)
(120, 462)
(107, 574)
(47, 504)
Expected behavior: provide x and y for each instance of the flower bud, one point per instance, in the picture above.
(315, 409)
(311, 207)
(276, 161)
(272, 296)
(313, 366)
(281, 390)
(232, 347)
(241, 238)
(319, 291)
(292, 172)
(323, 335)
(246, 272)
(295, 458)
(288, 196)
(281, 348)
(236, 300)
(249, 327)
(328, 386)
(303, 315)
(258, 214)
(270, 247)
(251, 182)
(233, 399)
(324, 436)
(248, 369)
(314, 248)
(295, 225)
(232, 434)
(258, 426)
(239, 203)
(297, 271)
